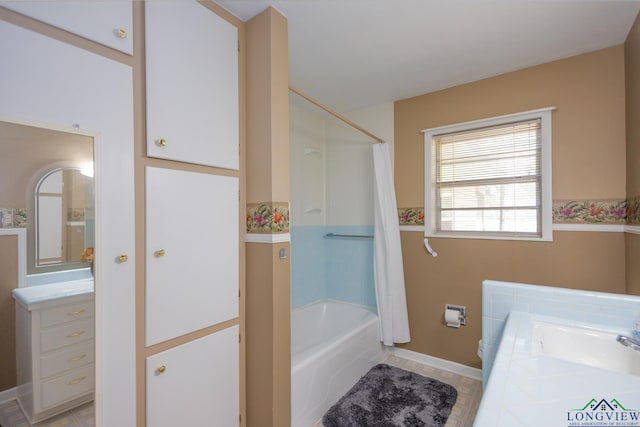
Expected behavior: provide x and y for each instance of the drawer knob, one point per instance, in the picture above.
(77, 380)
(159, 253)
(77, 358)
(162, 142)
(122, 33)
(75, 313)
(161, 369)
(75, 334)
(123, 258)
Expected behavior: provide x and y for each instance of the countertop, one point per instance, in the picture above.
(537, 390)
(43, 296)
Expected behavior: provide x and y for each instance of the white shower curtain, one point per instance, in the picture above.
(387, 253)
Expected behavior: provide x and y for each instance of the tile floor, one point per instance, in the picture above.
(469, 390)
(462, 414)
(82, 416)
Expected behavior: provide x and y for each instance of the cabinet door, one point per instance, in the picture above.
(198, 384)
(108, 23)
(49, 82)
(192, 84)
(191, 252)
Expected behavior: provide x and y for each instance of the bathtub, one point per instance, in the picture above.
(333, 344)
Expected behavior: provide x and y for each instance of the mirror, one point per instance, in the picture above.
(29, 156)
(64, 217)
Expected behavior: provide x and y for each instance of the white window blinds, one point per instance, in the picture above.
(488, 180)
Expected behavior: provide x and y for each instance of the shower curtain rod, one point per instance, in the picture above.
(336, 115)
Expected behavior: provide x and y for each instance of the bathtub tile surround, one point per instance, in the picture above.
(268, 217)
(332, 268)
(13, 218)
(500, 298)
(532, 386)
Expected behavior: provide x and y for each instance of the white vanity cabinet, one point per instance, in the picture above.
(107, 23)
(191, 85)
(195, 384)
(54, 348)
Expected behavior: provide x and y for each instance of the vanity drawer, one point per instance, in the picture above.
(67, 334)
(69, 386)
(72, 357)
(66, 313)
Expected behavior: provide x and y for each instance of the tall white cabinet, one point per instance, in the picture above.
(192, 217)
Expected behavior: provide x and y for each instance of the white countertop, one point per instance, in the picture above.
(41, 296)
(537, 390)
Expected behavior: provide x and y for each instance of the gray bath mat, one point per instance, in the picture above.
(388, 396)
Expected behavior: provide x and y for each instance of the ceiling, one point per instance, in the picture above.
(350, 54)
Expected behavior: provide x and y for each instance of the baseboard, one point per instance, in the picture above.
(447, 365)
(7, 395)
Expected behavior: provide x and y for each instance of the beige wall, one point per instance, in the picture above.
(588, 162)
(268, 277)
(8, 281)
(632, 78)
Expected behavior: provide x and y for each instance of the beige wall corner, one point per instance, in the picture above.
(632, 84)
(267, 278)
(588, 163)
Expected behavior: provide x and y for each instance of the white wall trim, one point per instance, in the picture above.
(7, 395)
(616, 228)
(633, 229)
(22, 252)
(267, 238)
(419, 228)
(447, 365)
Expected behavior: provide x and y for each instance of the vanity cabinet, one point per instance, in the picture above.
(54, 349)
(107, 23)
(195, 384)
(191, 85)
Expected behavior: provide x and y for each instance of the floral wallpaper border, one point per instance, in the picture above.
(633, 210)
(411, 216)
(609, 211)
(268, 217)
(13, 218)
(590, 211)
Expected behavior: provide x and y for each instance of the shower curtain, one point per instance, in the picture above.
(387, 253)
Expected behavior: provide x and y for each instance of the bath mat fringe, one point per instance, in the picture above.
(387, 396)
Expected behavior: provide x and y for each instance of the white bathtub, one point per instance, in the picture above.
(332, 345)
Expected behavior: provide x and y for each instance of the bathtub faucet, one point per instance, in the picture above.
(628, 342)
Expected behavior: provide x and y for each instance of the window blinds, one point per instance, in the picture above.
(488, 180)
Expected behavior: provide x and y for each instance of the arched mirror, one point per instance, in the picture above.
(64, 217)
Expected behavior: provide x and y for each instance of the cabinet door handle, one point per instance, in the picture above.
(159, 253)
(75, 313)
(162, 142)
(77, 380)
(75, 334)
(75, 359)
(161, 369)
(122, 33)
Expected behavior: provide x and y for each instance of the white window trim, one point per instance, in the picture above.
(545, 157)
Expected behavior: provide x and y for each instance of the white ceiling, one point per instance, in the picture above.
(350, 54)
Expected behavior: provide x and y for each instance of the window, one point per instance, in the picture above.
(490, 178)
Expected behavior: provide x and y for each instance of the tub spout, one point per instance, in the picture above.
(628, 342)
